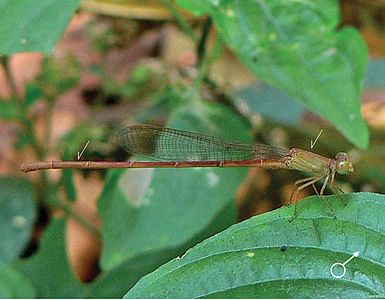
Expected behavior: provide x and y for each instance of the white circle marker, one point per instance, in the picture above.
(355, 254)
(343, 272)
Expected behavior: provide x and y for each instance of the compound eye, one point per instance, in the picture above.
(343, 167)
(343, 164)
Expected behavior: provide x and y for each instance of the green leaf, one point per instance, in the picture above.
(294, 46)
(75, 140)
(264, 100)
(49, 269)
(17, 215)
(24, 139)
(32, 94)
(165, 101)
(58, 76)
(13, 284)
(270, 257)
(29, 25)
(69, 186)
(197, 8)
(115, 282)
(8, 110)
(170, 206)
(68, 174)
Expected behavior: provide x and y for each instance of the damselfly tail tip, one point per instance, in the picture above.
(25, 167)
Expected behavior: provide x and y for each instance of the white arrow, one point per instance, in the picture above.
(355, 254)
(81, 153)
(316, 139)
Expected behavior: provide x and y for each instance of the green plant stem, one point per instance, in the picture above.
(26, 124)
(182, 23)
(201, 47)
(23, 120)
(48, 122)
(78, 218)
(9, 77)
(207, 60)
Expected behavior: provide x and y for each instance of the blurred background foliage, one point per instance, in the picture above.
(125, 62)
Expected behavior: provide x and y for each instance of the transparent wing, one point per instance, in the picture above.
(168, 144)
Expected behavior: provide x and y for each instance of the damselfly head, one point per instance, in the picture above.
(343, 164)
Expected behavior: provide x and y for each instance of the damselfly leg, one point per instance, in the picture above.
(305, 182)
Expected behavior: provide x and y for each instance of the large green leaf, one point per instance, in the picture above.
(264, 100)
(13, 284)
(115, 282)
(270, 257)
(294, 46)
(17, 215)
(171, 205)
(49, 269)
(29, 25)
